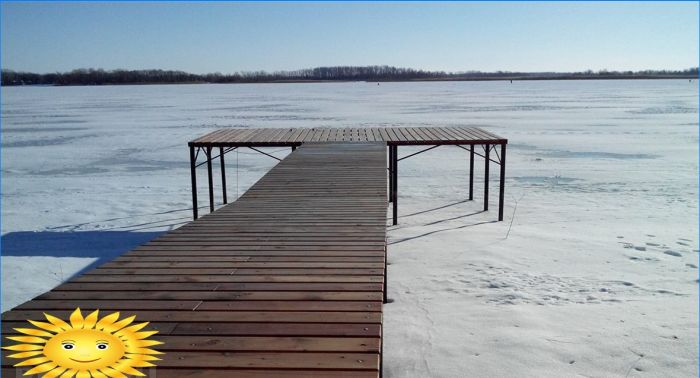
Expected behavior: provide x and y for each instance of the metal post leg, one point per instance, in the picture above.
(391, 174)
(471, 173)
(396, 185)
(486, 176)
(211, 181)
(502, 187)
(223, 174)
(294, 148)
(386, 259)
(193, 175)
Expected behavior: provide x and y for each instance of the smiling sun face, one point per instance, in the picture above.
(86, 347)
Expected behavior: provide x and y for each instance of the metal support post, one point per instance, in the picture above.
(211, 180)
(471, 172)
(193, 175)
(395, 181)
(487, 149)
(502, 187)
(391, 174)
(223, 174)
(386, 260)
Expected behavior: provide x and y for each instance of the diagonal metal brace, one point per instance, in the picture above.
(205, 162)
(419, 152)
(477, 154)
(265, 153)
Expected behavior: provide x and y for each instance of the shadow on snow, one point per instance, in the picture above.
(102, 245)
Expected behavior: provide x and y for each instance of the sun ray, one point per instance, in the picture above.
(87, 347)
(132, 328)
(76, 319)
(145, 351)
(47, 326)
(143, 357)
(33, 361)
(138, 363)
(57, 322)
(23, 347)
(116, 326)
(25, 354)
(107, 321)
(34, 332)
(112, 373)
(43, 368)
(147, 343)
(54, 373)
(69, 373)
(27, 339)
(144, 335)
(125, 367)
(91, 320)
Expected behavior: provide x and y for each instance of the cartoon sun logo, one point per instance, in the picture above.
(87, 347)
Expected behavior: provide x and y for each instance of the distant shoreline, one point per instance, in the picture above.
(563, 78)
(342, 74)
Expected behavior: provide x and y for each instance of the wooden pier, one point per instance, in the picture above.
(288, 280)
(467, 138)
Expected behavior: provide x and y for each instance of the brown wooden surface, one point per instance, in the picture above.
(285, 282)
(387, 135)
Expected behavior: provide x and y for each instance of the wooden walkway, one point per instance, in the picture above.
(288, 281)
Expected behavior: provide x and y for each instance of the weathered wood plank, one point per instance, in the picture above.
(286, 281)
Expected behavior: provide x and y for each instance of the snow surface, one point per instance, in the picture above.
(593, 274)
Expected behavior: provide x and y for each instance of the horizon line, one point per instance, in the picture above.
(589, 70)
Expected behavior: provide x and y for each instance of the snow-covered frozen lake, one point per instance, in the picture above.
(593, 274)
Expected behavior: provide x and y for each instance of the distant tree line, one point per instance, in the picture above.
(90, 76)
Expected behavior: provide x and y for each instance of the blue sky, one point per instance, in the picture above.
(458, 36)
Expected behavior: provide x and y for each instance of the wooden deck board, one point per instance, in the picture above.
(285, 282)
(386, 135)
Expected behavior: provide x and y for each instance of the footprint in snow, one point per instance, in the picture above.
(673, 253)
